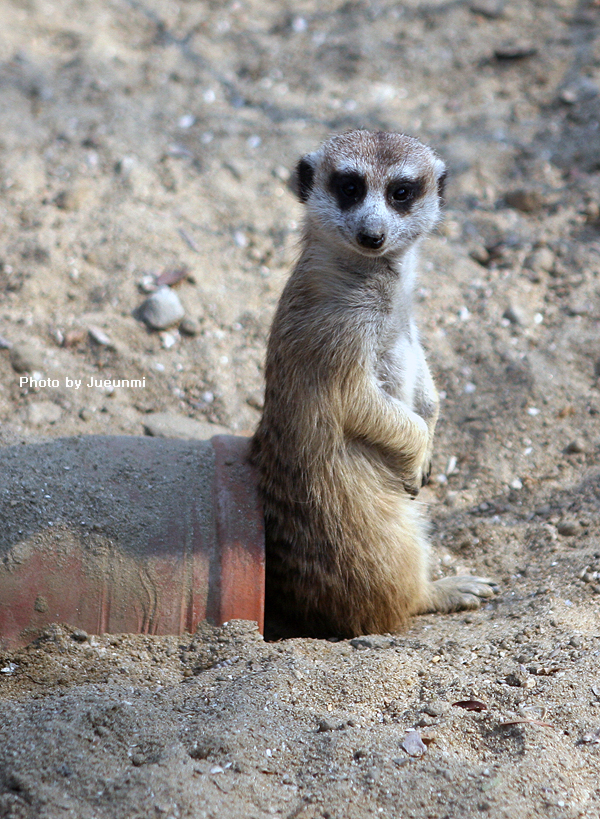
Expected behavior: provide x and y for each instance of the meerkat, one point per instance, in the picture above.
(345, 439)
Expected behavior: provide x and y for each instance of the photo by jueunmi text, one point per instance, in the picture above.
(78, 383)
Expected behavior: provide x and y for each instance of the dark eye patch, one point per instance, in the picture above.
(402, 193)
(348, 188)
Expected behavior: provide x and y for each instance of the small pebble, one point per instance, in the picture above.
(413, 744)
(168, 340)
(189, 327)
(567, 528)
(515, 51)
(299, 25)
(480, 254)
(43, 412)
(592, 211)
(25, 358)
(436, 708)
(580, 90)
(542, 259)
(527, 201)
(492, 9)
(73, 337)
(281, 172)
(515, 315)
(325, 725)
(79, 635)
(147, 284)
(99, 336)
(577, 446)
(186, 121)
(255, 400)
(171, 425)
(161, 309)
(240, 238)
(361, 643)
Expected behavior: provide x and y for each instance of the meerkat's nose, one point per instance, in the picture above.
(370, 240)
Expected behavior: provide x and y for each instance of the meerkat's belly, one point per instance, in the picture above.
(401, 371)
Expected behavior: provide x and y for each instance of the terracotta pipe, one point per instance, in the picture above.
(128, 534)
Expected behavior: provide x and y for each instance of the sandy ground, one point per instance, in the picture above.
(144, 136)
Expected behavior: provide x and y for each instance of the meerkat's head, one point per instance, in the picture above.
(372, 193)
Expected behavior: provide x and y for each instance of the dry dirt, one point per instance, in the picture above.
(141, 136)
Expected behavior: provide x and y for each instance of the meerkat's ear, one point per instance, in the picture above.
(301, 181)
(442, 175)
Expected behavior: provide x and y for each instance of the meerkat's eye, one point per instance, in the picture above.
(348, 188)
(403, 192)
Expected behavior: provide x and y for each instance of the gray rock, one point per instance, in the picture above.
(567, 528)
(580, 90)
(527, 201)
(25, 358)
(542, 259)
(189, 327)
(171, 425)
(515, 315)
(99, 336)
(492, 9)
(162, 309)
(436, 708)
(413, 744)
(361, 643)
(480, 254)
(515, 51)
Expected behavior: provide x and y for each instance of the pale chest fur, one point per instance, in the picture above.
(401, 369)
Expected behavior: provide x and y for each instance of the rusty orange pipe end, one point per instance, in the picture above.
(128, 534)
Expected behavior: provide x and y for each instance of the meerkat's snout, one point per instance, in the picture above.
(370, 240)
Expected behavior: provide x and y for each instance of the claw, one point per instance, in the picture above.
(411, 489)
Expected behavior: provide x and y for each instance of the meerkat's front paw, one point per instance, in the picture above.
(412, 487)
(458, 593)
(413, 484)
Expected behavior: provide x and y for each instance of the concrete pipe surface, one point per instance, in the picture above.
(128, 534)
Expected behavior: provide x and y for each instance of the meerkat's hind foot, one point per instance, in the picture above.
(459, 593)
